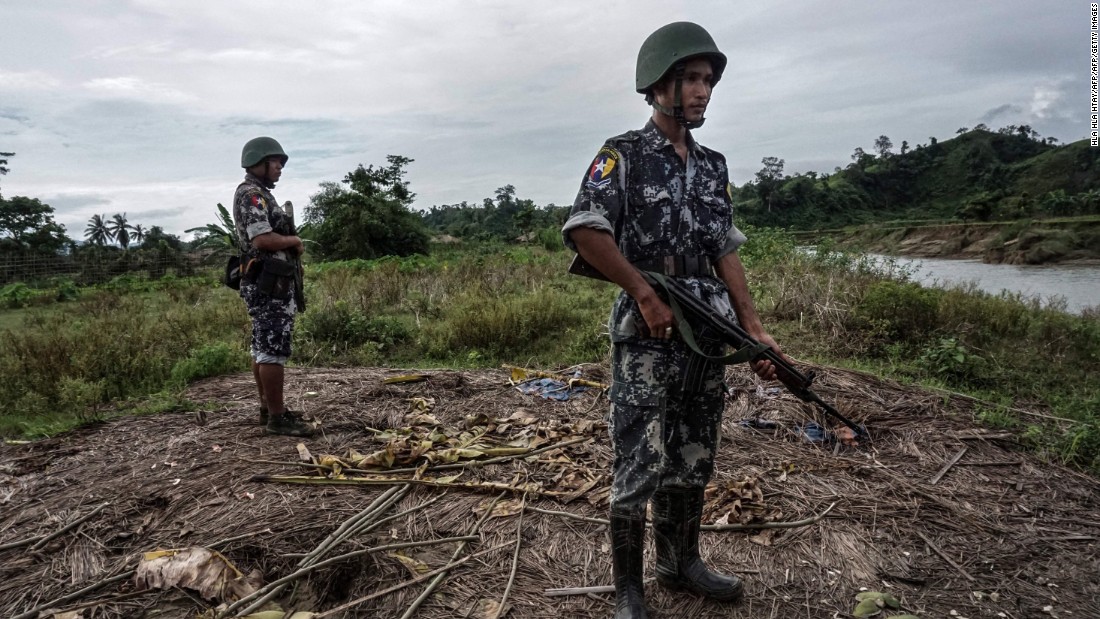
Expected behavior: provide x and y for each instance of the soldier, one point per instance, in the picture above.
(268, 250)
(657, 200)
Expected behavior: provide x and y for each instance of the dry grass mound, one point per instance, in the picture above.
(944, 515)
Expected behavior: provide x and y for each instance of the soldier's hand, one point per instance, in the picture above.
(764, 368)
(658, 317)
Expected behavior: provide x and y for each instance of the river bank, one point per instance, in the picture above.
(1047, 241)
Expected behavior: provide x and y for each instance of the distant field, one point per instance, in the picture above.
(483, 306)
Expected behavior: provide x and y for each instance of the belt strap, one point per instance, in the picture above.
(677, 266)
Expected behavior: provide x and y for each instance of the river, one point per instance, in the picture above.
(1077, 285)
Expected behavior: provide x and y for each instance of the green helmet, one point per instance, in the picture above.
(257, 149)
(671, 45)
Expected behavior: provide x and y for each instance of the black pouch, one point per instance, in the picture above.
(232, 276)
(277, 279)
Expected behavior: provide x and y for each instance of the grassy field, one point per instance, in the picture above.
(134, 349)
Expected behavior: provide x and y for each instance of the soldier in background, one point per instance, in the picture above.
(268, 249)
(657, 200)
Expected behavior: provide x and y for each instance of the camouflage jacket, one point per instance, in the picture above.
(256, 212)
(655, 204)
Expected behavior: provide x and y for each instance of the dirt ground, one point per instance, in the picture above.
(951, 518)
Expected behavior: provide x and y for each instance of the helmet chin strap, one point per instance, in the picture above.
(677, 110)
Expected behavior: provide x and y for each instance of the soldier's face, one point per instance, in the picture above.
(274, 169)
(695, 91)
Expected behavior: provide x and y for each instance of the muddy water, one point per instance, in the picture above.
(1078, 286)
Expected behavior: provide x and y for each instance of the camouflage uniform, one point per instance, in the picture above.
(666, 401)
(256, 212)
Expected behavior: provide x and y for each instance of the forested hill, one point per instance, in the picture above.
(980, 174)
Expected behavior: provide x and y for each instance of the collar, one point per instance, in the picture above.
(657, 140)
(256, 180)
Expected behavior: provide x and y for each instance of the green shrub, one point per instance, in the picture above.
(208, 360)
(899, 311)
(15, 295)
(950, 359)
(341, 324)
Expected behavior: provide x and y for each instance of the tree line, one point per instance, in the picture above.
(980, 174)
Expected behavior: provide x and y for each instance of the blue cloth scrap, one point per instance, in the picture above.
(549, 389)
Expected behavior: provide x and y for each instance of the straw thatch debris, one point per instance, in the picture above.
(936, 511)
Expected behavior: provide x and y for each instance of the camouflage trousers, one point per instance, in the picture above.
(666, 412)
(272, 324)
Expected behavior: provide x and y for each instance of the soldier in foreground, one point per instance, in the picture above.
(657, 200)
(268, 250)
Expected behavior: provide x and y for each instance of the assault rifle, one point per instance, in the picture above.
(684, 303)
(299, 270)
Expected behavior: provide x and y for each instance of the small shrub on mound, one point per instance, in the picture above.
(209, 360)
(898, 312)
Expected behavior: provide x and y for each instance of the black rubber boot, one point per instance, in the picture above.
(264, 417)
(676, 516)
(290, 423)
(627, 543)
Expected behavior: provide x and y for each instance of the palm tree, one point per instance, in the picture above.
(97, 231)
(221, 236)
(120, 230)
(137, 234)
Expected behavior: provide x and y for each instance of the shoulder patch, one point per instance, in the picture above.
(257, 201)
(599, 174)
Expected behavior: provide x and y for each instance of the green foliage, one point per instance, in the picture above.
(220, 237)
(15, 295)
(898, 311)
(951, 360)
(208, 360)
(979, 175)
(368, 219)
(486, 305)
(340, 325)
(27, 226)
(504, 218)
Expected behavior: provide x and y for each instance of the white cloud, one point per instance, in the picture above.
(28, 80)
(131, 87)
(1049, 100)
(159, 95)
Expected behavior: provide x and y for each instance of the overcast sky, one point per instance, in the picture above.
(142, 106)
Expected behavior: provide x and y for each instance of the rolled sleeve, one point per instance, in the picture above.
(734, 239)
(584, 219)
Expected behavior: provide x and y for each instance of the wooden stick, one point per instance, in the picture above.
(45, 540)
(33, 613)
(707, 527)
(571, 515)
(346, 528)
(462, 546)
(584, 590)
(354, 481)
(993, 463)
(947, 467)
(515, 561)
(944, 556)
(440, 467)
(24, 542)
(440, 572)
(356, 553)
